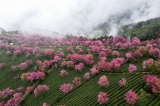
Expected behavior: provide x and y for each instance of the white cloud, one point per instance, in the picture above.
(71, 16)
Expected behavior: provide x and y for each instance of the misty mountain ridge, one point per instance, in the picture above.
(149, 29)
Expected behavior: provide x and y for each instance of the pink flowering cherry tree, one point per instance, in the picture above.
(132, 68)
(40, 89)
(2, 65)
(79, 67)
(63, 73)
(103, 81)
(102, 98)
(153, 82)
(77, 81)
(94, 70)
(122, 82)
(66, 87)
(86, 76)
(131, 97)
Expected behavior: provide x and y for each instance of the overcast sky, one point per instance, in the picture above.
(71, 16)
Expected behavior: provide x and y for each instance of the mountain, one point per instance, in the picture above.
(145, 30)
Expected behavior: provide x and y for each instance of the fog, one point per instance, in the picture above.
(78, 17)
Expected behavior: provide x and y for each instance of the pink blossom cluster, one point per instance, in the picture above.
(108, 42)
(45, 104)
(29, 89)
(66, 87)
(70, 49)
(103, 66)
(102, 55)
(147, 62)
(49, 52)
(17, 52)
(149, 46)
(129, 55)
(38, 55)
(79, 67)
(126, 45)
(60, 52)
(68, 43)
(132, 68)
(131, 97)
(30, 76)
(86, 76)
(122, 82)
(109, 52)
(88, 59)
(119, 60)
(103, 81)
(68, 64)
(135, 42)
(89, 51)
(88, 43)
(23, 66)
(63, 73)
(102, 98)
(94, 70)
(14, 68)
(155, 45)
(39, 62)
(40, 89)
(9, 47)
(154, 52)
(103, 58)
(150, 79)
(2, 65)
(153, 83)
(142, 49)
(56, 59)
(77, 47)
(156, 87)
(96, 49)
(8, 92)
(28, 54)
(103, 40)
(8, 53)
(77, 81)
(26, 49)
(15, 101)
(42, 66)
(138, 54)
(98, 43)
(76, 58)
(36, 49)
(115, 53)
(117, 39)
(28, 62)
(3, 45)
(119, 45)
(80, 51)
(115, 63)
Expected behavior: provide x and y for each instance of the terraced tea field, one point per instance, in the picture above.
(86, 93)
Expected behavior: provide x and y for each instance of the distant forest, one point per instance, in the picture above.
(145, 30)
